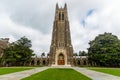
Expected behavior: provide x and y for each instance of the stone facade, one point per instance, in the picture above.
(61, 49)
(44, 61)
(4, 43)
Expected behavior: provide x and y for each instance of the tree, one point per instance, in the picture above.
(43, 54)
(75, 54)
(82, 53)
(104, 50)
(19, 52)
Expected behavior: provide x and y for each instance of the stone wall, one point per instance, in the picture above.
(4, 43)
(77, 61)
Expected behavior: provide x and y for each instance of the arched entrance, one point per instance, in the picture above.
(61, 59)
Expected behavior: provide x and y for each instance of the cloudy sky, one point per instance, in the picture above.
(34, 19)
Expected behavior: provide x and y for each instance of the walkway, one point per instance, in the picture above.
(94, 75)
(22, 74)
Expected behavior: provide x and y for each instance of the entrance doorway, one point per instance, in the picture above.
(61, 60)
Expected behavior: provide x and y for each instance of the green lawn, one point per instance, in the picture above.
(113, 71)
(57, 74)
(11, 70)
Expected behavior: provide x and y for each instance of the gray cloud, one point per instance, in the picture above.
(31, 13)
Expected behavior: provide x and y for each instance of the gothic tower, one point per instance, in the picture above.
(61, 50)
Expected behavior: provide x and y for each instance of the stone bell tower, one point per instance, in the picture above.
(61, 49)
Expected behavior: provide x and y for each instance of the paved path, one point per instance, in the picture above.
(94, 75)
(21, 74)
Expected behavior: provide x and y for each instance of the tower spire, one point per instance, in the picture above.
(65, 7)
(57, 7)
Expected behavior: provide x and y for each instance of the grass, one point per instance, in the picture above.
(8, 70)
(58, 74)
(112, 71)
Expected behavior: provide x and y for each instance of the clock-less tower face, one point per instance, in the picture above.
(61, 50)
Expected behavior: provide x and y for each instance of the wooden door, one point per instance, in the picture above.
(61, 62)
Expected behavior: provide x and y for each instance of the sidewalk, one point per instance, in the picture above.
(94, 75)
(21, 74)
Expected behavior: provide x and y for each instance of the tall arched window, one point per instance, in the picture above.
(61, 56)
(59, 16)
(62, 16)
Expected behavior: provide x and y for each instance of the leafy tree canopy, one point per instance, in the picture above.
(104, 50)
(19, 52)
(82, 53)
